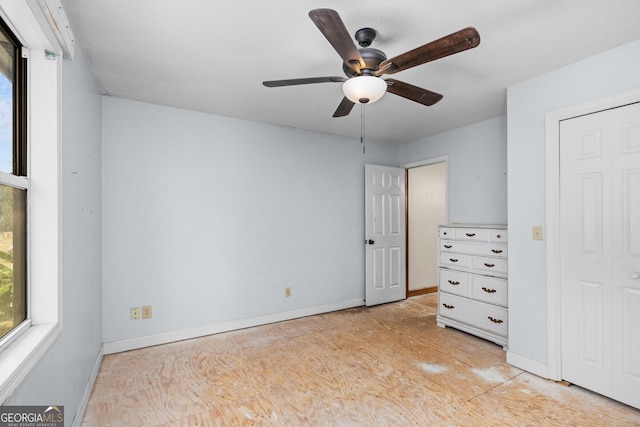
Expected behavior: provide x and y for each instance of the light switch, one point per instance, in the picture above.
(537, 232)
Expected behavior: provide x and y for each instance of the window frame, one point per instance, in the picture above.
(18, 178)
(20, 121)
(33, 338)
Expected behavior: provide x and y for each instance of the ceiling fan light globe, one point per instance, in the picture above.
(364, 89)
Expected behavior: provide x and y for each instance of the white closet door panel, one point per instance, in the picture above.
(626, 369)
(586, 247)
(626, 257)
(600, 250)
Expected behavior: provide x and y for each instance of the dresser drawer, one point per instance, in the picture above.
(471, 248)
(473, 234)
(454, 282)
(499, 236)
(447, 233)
(483, 316)
(489, 289)
(455, 260)
(489, 265)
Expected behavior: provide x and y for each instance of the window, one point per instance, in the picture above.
(33, 202)
(13, 197)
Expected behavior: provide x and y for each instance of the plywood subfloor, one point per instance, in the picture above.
(388, 365)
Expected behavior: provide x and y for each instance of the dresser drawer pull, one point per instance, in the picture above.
(453, 282)
(494, 320)
(449, 307)
(448, 246)
(470, 234)
(489, 265)
(496, 251)
(489, 291)
(453, 260)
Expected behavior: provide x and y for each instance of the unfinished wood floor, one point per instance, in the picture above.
(388, 365)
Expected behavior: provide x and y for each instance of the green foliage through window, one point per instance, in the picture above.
(12, 257)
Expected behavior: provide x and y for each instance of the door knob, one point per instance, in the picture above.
(634, 275)
(369, 242)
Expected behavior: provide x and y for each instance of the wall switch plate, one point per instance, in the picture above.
(135, 313)
(147, 312)
(287, 292)
(537, 232)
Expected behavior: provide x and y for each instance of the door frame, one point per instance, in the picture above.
(431, 161)
(552, 214)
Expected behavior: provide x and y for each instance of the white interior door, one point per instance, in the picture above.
(600, 252)
(626, 255)
(385, 234)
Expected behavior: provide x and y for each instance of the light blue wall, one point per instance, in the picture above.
(62, 375)
(606, 74)
(209, 218)
(476, 169)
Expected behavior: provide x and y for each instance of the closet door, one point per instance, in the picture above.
(626, 254)
(600, 252)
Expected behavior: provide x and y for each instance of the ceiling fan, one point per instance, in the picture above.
(363, 66)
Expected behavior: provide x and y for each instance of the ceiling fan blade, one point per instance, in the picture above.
(448, 45)
(330, 24)
(304, 81)
(413, 93)
(344, 108)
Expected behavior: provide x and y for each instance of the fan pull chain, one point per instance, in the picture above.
(362, 128)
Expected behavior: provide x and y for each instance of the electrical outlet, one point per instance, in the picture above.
(287, 292)
(135, 313)
(146, 312)
(537, 232)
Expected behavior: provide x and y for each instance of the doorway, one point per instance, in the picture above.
(426, 210)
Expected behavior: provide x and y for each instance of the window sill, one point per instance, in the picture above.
(21, 356)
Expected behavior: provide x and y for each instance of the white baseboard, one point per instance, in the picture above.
(528, 365)
(200, 331)
(82, 407)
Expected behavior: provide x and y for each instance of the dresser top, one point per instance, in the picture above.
(491, 226)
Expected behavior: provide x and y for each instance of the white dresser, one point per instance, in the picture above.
(472, 280)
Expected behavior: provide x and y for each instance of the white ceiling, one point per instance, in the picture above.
(212, 56)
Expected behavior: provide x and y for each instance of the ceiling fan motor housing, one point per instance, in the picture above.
(372, 58)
